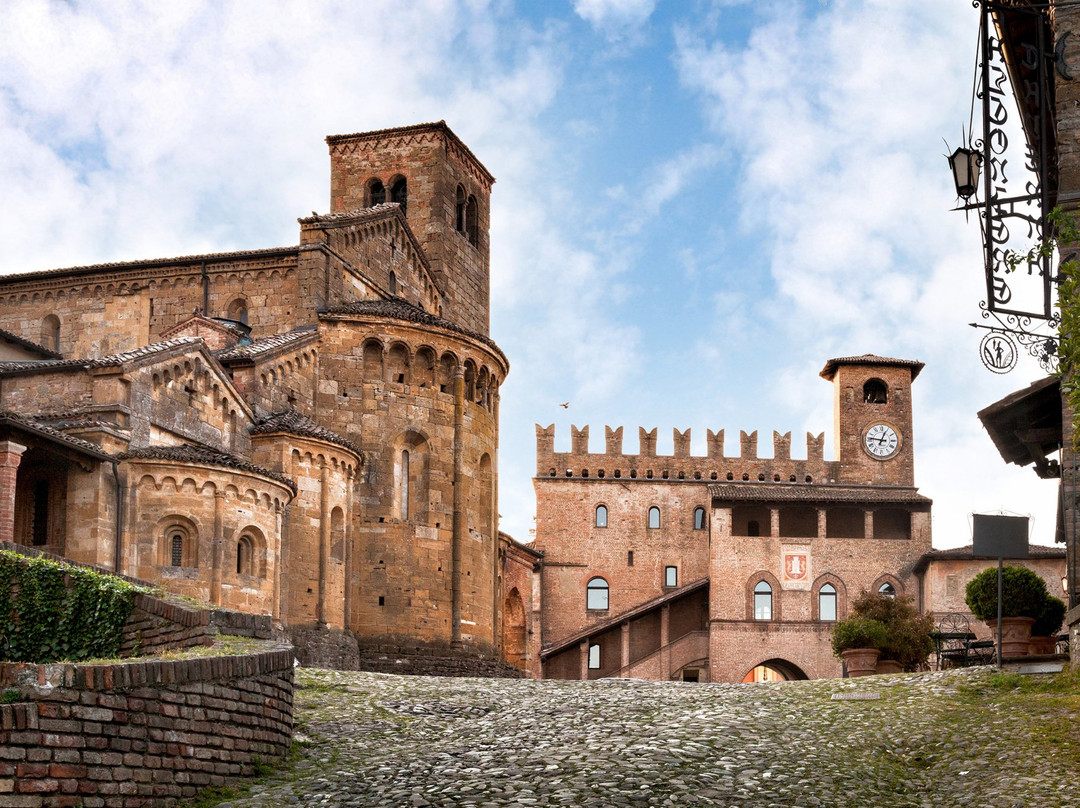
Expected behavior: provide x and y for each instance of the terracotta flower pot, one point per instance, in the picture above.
(1042, 645)
(888, 666)
(861, 661)
(1015, 635)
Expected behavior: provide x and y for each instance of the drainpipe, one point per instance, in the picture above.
(205, 290)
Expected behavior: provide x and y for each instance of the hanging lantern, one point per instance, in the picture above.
(965, 165)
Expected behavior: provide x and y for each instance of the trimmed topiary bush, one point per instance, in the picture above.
(1048, 623)
(907, 633)
(51, 611)
(857, 632)
(1023, 593)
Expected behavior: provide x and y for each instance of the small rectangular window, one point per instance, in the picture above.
(594, 657)
(671, 576)
(629, 558)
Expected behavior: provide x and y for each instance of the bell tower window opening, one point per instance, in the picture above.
(460, 202)
(875, 391)
(376, 193)
(472, 223)
(399, 192)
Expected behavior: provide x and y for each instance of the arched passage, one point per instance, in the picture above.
(514, 629)
(774, 670)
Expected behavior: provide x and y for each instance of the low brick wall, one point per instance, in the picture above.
(423, 664)
(145, 733)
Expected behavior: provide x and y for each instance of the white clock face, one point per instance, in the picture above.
(881, 440)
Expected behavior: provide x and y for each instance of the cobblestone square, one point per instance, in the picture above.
(935, 739)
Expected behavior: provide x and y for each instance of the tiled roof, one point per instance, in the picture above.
(113, 360)
(398, 309)
(1034, 551)
(146, 262)
(374, 212)
(815, 493)
(294, 423)
(52, 433)
(265, 345)
(188, 453)
(871, 359)
(33, 346)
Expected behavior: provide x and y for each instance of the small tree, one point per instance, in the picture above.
(907, 633)
(1023, 593)
(1050, 619)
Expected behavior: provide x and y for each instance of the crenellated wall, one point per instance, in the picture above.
(715, 465)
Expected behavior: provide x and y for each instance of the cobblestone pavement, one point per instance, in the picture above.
(909, 740)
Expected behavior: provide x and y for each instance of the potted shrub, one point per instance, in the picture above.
(858, 641)
(1046, 626)
(907, 633)
(1023, 596)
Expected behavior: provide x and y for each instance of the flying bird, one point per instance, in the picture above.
(565, 406)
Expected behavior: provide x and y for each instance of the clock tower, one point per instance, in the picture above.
(872, 411)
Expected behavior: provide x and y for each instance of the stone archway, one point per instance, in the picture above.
(774, 670)
(514, 630)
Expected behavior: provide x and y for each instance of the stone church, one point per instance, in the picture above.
(729, 568)
(307, 431)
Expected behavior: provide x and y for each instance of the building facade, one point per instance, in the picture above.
(307, 431)
(729, 568)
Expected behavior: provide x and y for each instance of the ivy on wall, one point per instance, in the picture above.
(52, 611)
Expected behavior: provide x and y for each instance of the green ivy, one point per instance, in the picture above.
(52, 611)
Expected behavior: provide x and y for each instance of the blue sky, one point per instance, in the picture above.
(697, 203)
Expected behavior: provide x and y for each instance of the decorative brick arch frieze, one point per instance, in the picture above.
(841, 596)
(754, 579)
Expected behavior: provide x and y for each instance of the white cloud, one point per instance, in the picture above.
(615, 17)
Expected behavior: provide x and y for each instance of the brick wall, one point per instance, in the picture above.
(140, 733)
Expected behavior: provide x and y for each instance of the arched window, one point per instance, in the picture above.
(699, 518)
(244, 556)
(403, 487)
(887, 589)
(472, 221)
(875, 391)
(596, 594)
(827, 602)
(763, 601)
(376, 193)
(399, 192)
(654, 518)
(459, 209)
(601, 516)
(393, 283)
(238, 311)
(50, 332)
(177, 549)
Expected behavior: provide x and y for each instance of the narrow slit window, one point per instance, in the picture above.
(654, 518)
(594, 657)
(699, 519)
(601, 516)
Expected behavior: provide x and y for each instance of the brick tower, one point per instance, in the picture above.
(445, 192)
(872, 408)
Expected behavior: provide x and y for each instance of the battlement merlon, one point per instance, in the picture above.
(579, 457)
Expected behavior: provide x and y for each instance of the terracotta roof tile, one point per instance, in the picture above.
(112, 360)
(815, 493)
(871, 359)
(295, 423)
(188, 453)
(33, 346)
(146, 262)
(51, 432)
(265, 344)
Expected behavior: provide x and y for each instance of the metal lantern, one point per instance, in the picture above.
(965, 165)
